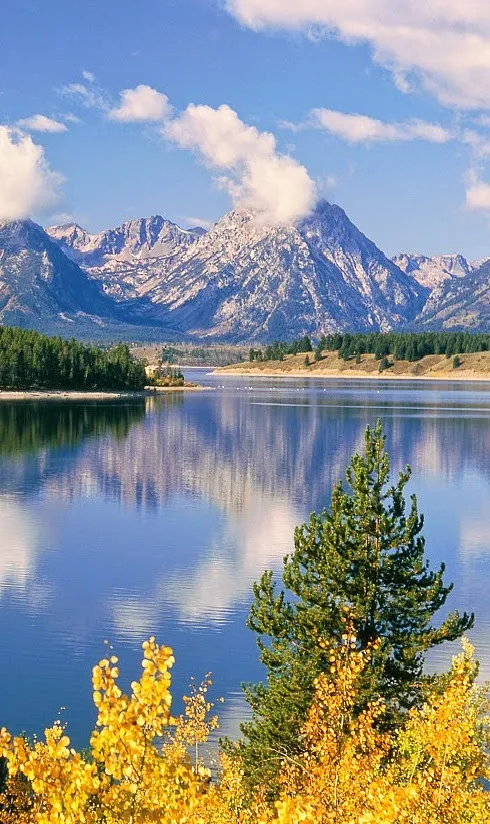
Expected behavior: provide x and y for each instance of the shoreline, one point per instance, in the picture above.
(87, 395)
(351, 375)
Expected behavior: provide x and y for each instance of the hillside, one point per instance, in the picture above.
(474, 366)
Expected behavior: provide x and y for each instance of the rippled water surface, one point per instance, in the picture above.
(120, 520)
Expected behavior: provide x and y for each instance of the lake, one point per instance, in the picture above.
(121, 520)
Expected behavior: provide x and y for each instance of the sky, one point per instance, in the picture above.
(115, 109)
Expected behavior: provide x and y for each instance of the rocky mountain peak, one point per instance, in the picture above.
(432, 272)
(137, 239)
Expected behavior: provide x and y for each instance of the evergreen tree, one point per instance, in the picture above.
(362, 558)
(358, 357)
(307, 360)
(456, 362)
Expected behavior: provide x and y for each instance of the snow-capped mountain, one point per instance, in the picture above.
(121, 258)
(460, 302)
(37, 281)
(41, 288)
(141, 239)
(240, 281)
(433, 271)
(243, 280)
(247, 281)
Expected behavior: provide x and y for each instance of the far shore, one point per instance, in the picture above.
(474, 367)
(94, 395)
(344, 374)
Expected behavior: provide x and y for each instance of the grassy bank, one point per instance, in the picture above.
(473, 366)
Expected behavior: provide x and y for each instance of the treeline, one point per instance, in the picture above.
(30, 360)
(278, 349)
(408, 346)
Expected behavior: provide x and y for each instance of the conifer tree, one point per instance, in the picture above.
(362, 560)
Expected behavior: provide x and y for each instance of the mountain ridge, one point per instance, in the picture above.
(246, 280)
(241, 280)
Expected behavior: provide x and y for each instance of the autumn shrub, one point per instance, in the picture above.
(143, 765)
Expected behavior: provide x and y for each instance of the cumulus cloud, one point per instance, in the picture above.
(27, 183)
(142, 104)
(444, 43)
(358, 128)
(477, 194)
(255, 174)
(88, 76)
(41, 123)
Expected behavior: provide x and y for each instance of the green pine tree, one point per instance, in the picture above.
(363, 556)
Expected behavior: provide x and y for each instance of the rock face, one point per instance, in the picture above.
(460, 303)
(41, 288)
(246, 281)
(122, 259)
(38, 282)
(143, 239)
(241, 281)
(433, 271)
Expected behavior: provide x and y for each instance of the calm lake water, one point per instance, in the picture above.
(121, 520)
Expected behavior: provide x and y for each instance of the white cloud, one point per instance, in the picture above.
(445, 43)
(477, 194)
(41, 123)
(71, 118)
(89, 98)
(257, 177)
(193, 222)
(358, 128)
(140, 105)
(479, 144)
(88, 76)
(27, 183)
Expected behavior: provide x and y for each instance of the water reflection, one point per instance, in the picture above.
(118, 521)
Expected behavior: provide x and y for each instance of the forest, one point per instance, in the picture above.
(346, 727)
(30, 360)
(407, 346)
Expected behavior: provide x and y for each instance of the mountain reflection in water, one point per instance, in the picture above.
(119, 520)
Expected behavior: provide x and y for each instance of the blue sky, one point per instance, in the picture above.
(412, 177)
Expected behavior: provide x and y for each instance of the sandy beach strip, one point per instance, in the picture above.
(95, 395)
(332, 374)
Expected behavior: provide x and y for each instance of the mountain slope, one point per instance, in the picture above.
(41, 288)
(37, 280)
(121, 258)
(460, 303)
(433, 271)
(246, 281)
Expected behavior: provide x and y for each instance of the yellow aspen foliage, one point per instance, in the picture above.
(195, 725)
(431, 772)
(348, 770)
(126, 777)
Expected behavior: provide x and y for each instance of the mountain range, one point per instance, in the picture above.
(240, 281)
